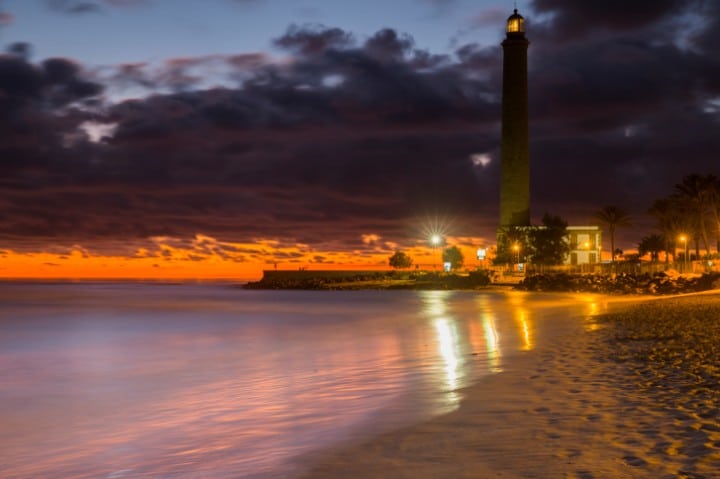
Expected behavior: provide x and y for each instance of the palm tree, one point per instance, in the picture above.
(652, 244)
(673, 219)
(714, 198)
(698, 191)
(613, 217)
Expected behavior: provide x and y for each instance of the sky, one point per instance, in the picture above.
(216, 138)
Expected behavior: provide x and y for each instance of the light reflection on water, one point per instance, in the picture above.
(133, 380)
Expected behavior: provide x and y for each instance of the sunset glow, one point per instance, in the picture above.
(206, 258)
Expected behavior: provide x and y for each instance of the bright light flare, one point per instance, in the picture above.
(435, 230)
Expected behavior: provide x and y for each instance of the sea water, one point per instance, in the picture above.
(137, 380)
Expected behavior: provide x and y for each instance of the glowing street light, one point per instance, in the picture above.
(516, 248)
(683, 238)
(435, 241)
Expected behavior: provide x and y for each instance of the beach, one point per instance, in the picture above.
(628, 393)
(134, 380)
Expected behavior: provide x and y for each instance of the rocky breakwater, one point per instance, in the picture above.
(657, 284)
(356, 280)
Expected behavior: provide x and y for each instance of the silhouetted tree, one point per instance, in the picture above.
(652, 244)
(613, 217)
(714, 197)
(673, 220)
(548, 244)
(399, 260)
(454, 256)
(698, 192)
(507, 239)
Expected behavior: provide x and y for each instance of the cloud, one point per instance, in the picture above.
(20, 49)
(440, 5)
(74, 6)
(490, 17)
(342, 138)
(313, 39)
(83, 6)
(388, 45)
(26, 89)
(574, 19)
(6, 19)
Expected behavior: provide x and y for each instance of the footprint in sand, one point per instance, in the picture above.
(593, 417)
(635, 461)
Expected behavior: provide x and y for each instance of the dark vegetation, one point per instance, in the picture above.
(420, 280)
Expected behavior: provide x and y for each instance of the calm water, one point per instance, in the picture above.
(190, 381)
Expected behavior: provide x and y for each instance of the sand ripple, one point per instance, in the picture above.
(632, 394)
(671, 351)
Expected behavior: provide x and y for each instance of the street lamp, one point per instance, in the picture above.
(435, 241)
(683, 238)
(516, 248)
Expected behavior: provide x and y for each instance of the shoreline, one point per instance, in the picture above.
(571, 409)
(659, 284)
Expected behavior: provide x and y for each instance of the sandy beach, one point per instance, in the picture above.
(629, 393)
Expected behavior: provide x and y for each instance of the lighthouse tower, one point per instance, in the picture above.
(515, 157)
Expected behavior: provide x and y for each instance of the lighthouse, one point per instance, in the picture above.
(515, 156)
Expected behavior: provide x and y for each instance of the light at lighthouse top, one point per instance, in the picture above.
(515, 23)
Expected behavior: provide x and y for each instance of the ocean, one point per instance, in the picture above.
(148, 380)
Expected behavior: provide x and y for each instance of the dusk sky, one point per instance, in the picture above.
(167, 138)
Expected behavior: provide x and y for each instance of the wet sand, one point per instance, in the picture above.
(630, 394)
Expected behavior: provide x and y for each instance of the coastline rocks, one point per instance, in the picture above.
(334, 280)
(657, 284)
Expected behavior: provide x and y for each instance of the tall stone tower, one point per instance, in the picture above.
(515, 157)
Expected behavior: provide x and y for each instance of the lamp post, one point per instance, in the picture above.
(683, 238)
(435, 241)
(586, 246)
(516, 248)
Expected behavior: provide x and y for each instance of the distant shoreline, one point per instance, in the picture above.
(364, 280)
(660, 284)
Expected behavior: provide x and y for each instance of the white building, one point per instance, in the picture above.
(585, 245)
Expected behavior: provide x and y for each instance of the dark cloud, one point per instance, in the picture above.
(20, 49)
(346, 138)
(313, 39)
(85, 6)
(387, 45)
(572, 19)
(27, 89)
(74, 6)
(708, 38)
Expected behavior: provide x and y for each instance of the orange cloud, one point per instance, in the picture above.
(205, 257)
